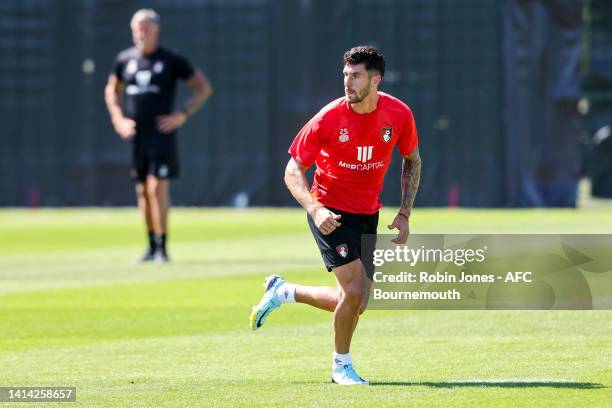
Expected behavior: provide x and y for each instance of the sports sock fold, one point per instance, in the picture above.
(341, 360)
(286, 293)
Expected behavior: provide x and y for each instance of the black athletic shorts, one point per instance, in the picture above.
(162, 164)
(344, 244)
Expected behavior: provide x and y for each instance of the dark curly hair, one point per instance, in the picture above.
(367, 55)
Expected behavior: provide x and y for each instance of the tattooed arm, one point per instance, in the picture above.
(411, 174)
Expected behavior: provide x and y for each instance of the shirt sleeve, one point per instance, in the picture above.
(308, 143)
(184, 69)
(409, 139)
(118, 68)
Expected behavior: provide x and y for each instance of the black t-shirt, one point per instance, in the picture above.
(150, 87)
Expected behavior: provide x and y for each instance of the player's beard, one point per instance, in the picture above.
(358, 96)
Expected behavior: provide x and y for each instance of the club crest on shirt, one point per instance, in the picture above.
(386, 134)
(343, 137)
(158, 67)
(342, 250)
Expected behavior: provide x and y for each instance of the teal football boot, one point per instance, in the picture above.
(269, 302)
(346, 375)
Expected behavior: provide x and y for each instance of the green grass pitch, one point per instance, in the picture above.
(74, 311)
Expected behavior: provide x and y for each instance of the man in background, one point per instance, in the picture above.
(139, 96)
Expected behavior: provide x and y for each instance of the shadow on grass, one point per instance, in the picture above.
(495, 384)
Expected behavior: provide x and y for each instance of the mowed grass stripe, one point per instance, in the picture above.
(27, 231)
(60, 317)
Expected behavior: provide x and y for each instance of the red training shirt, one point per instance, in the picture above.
(353, 151)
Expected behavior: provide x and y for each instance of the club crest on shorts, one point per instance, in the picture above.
(386, 134)
(163, 171)
(342, 250)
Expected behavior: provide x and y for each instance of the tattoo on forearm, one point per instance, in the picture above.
(411, 175)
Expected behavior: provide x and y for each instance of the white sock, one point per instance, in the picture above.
(286, 293)
(341, 360)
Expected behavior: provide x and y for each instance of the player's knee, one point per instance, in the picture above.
(140, 191)
(152, 189)
(334, 302)
(353, 297)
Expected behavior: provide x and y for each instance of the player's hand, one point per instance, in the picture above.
(169, 123)
(325, 220)
(125, 127)
(401, 223)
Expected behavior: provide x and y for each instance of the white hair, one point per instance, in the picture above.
(145, 14)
